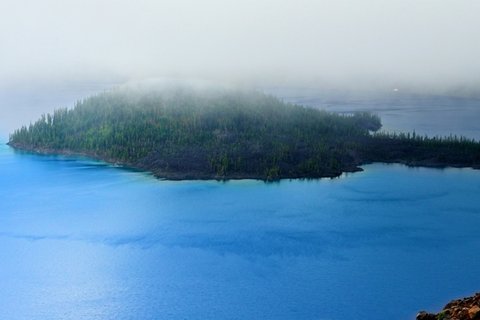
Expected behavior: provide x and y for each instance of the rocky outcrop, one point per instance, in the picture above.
(460, 309)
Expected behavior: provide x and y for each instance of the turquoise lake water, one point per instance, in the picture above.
(83, 240)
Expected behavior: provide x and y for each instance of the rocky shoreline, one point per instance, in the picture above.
(459, 309)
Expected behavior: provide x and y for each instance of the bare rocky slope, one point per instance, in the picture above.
(460, 309)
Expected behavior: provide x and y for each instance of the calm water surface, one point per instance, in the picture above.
(83, 240)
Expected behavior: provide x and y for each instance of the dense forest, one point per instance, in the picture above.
(185, 133)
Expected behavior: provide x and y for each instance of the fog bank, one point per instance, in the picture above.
(361, 44)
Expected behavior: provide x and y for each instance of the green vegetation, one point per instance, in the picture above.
(183, 133)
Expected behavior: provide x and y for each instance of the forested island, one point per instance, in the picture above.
(185, 133)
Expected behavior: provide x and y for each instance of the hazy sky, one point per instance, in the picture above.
(395, 41)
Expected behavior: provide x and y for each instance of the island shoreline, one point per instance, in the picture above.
(180, 176)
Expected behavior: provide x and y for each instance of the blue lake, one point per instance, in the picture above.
(83, 240)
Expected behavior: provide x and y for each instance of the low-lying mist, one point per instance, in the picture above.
(56, 52)
(368, 45)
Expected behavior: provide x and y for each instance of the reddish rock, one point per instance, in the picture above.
(459, 309)
(474, 312)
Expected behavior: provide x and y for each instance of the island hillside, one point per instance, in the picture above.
(182, 133)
